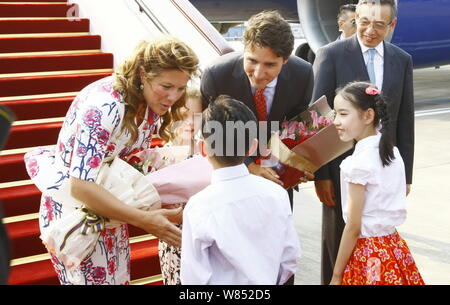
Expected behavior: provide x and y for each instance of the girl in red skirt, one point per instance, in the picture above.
(373, 195)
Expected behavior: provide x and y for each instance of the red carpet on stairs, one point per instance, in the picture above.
(23, 64)
(30, 109)
(12, 26)
(36, 9)
(44, 62)
(43, 43)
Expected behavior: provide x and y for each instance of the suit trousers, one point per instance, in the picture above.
(332, 224)
(290, 281)
(5, 251)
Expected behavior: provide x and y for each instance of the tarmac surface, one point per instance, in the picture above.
(427, 227)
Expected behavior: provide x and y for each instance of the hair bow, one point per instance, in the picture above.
(371, 90)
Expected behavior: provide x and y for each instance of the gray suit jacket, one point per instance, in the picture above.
(341, 62)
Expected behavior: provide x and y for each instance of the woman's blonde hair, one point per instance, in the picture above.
(164, 53)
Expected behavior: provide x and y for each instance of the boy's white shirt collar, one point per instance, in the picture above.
(229, 173)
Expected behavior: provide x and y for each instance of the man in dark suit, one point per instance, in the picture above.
(273, 84)
(363, 57)
(346, 20)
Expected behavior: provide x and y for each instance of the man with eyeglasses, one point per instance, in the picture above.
(346, 20)
(363, 57)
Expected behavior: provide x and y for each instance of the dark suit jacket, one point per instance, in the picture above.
(341, 62)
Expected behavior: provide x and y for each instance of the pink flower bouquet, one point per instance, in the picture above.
(305, 143)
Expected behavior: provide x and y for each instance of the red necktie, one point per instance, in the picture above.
(260, 103)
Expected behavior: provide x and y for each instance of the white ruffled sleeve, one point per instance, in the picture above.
(357, 171)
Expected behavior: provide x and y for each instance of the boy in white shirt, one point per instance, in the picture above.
(239, 229)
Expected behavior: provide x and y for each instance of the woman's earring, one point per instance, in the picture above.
(141, 87)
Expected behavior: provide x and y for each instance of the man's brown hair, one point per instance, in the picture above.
(269, 29)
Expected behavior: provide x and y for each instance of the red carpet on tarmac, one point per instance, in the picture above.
(45, 59)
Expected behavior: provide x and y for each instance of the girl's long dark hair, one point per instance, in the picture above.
(355, 93)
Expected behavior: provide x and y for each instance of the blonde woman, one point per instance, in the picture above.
(111, 117)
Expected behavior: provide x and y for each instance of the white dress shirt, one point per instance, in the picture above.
(378, 61)
(269, 93)
(385, 195)
(238, 230)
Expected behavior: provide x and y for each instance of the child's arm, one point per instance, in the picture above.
(352, 230)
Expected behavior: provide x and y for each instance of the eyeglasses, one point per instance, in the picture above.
(378, 25)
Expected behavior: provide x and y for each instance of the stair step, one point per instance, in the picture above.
(24, 64)
(33, 109)
(24, 238)
(13, 168)
(144, 263)
(20, 200)
(25, 241)
(32, 85)
(38, 9)
(20, 26)
(33, 135)
(43, 43)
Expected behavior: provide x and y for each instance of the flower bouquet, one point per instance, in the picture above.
(176, 183)
(305, 143)
(73, 237)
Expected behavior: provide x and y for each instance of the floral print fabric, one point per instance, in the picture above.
(383, 260)
(170, 262)
(91, 132)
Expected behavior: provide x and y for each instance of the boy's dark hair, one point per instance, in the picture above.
(355, 92)
(391, 3)
(269, 29)
(225, 130)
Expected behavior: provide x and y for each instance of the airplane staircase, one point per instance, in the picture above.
(45, 59)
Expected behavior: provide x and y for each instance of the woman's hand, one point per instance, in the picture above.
(161, 224)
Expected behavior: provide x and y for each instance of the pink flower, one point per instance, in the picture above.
(302, 128)
(32, 167)
(99, 275)
(292, 127)
(111, 147)
(102, 136)
(92, 118)
(115, 94)
(94, 161)
(81, 150)
(315, 118)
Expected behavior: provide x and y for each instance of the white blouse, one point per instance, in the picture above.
(385, 196)
(237, 231)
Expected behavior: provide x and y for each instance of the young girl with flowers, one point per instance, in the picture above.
(373, 192)
(112, 117)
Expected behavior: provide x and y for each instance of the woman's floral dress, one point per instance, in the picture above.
(90, 133)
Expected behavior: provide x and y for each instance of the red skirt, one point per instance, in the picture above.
(381, 260)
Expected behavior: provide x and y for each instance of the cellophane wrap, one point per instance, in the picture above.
(73, 237)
